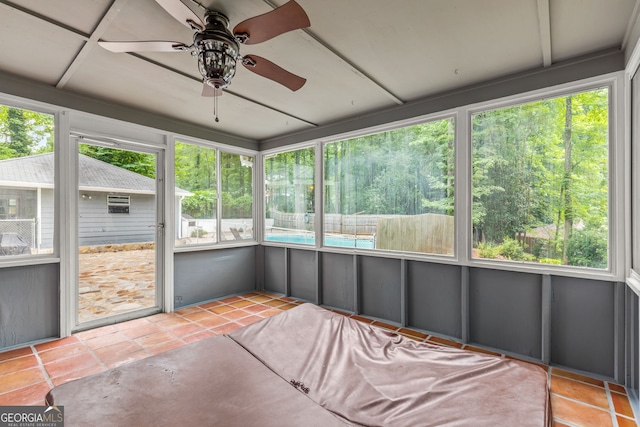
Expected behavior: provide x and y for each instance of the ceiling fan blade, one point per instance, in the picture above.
(288, 17)
(268, 69)
(181, 12)
(208, 90)
(145, 46)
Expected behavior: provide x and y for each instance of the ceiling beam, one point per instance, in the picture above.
(544, 22)
(324, 45)
(103, 25)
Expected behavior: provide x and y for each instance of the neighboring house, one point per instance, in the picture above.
(115, 205)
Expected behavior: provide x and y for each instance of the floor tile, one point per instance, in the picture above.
(132, 324)
(287, 306)
(240, 304)
(226, 328)
(62, 352)
(255, 308)
(185, 330)
(275, 303)
(194, 317)
(188, 310)
(57, 343)
(222, 309)
(154, 339)
(479, 350)
(385, 325)
(141, 330)
(235, 314)
(579, 391)
(260, 298)
(579, 377)
(18, 352)
(64, 367)
(18, 364)
(416, 334)
(444, 341)
(230, 300)
(625, 422)
(161, 316)
(26, 396)
(213, 321)
(116, 350)
(621, 404)
(198, 336)
(617, 388)
(173, 323)
(579, 414)
(211, 304)
(106, 340)
(97, 332)
(19, 379)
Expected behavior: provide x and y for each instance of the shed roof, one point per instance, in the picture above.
(37, 171)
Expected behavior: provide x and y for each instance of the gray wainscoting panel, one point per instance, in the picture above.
(505, 311)
(204, 275)
(29, 304)
(434, 297)
(275, 269)
(380, 288)
(302, 274)
(337, 281)
(582, 324)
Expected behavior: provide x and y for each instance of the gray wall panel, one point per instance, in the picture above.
(338, 281)
(275, 269)
(302, 274)
(204, 275)
(380, 288)
(29, 304)
(582, 324)
(505, 310)
(434, 297)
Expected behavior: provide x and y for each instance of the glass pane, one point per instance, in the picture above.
(289, 197)
(116, 232)
(237, 196)
(27, 176)
(392, 190)
(540, 181)
(196, 183)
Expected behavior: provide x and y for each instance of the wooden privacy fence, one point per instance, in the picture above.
(427, 233)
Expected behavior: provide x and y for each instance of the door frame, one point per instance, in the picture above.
(71, 312)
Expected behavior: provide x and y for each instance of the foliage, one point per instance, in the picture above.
(488, 250)
(141, 163)
(588, 248)
(201, 205)
(198, 232)
(24, 132)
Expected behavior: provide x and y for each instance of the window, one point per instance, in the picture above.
(196, 195)
(541, 181)
(237, 196)
(392, 190)
(289, 196)
(27, 176)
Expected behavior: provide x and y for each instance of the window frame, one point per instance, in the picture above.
(219, 148)
(616, 172)
(60, 131)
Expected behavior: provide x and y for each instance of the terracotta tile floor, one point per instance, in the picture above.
(27, 374)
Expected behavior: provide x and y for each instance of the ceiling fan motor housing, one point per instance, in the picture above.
(218, 51)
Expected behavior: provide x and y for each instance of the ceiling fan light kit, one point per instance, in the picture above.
(218, 49)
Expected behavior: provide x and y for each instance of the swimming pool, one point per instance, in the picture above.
(308, 239)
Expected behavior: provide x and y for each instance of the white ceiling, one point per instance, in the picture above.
(358, 56)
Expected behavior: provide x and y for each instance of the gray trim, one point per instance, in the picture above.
(356, 285)
(12, 84)
(592, 65)
(464, 302)
(547, 297)
(404, 310)
(287, 279)
(318, 277)
(618, 333)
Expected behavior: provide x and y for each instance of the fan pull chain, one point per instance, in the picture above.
(215, 108)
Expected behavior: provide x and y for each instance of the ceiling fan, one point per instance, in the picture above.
(218, 49)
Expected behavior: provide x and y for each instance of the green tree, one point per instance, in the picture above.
(141, 163)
